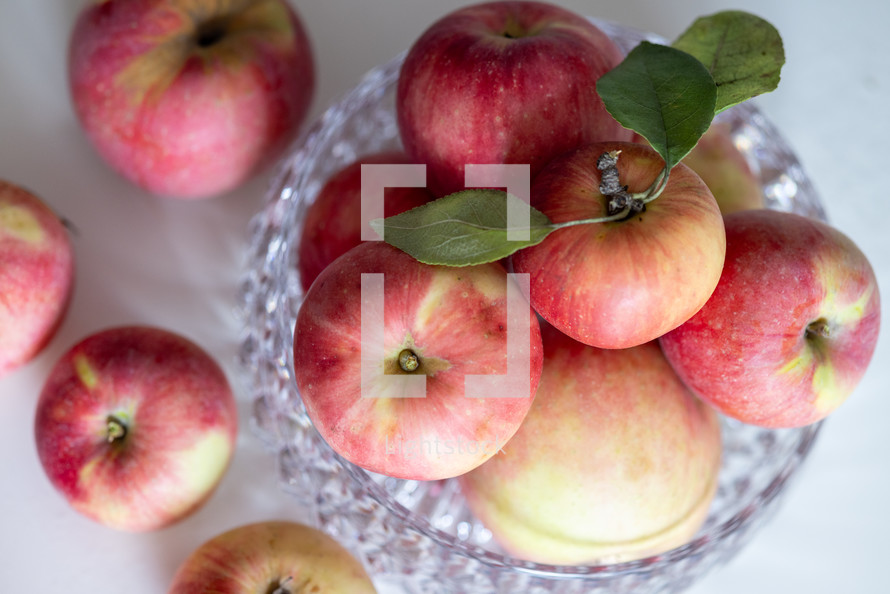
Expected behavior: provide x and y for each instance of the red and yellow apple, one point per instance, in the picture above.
(272, 557)
(36, 275)
(189, 98)
(333, 221)
(135, 427)
(790, 329)
(401, 377)
(725, 170)
(616, 460)
(503, 82)
(622, 283)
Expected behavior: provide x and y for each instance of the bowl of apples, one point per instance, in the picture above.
(519, 494)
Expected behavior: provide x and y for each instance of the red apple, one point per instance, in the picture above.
(503, 82)
(622, 283)
(271, 558)
(36, 275)
(189, 99)
(333, 221)
(790, 329)
(725, 170)
(135, 427)
(390, 373)
(616, 460)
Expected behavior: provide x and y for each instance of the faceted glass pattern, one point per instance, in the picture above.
(420, 535)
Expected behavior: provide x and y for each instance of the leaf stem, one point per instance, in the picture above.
(657, 187)
(615, 217)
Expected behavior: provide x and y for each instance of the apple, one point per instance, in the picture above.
(271, 557)
(190, 99)
(333, 221)
(385, 372)
(503, 82)
(725, 170)
(622, 283)
(135, 427)
(616, 460)
(790, 329)
(36, 275)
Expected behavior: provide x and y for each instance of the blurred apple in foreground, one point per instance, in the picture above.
(135, 427)
(271, 558)
(503, 82)
(189, 98)
(333, 221)
(725, 171)
(616, 460)
(622, 283)
(36, 275)
(791, 327)
(395, 399)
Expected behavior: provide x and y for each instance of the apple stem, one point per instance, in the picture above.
(282, 586)
(408, 360)
(819, 329)
(622, 204)
(620, 200)
(69, 225)
(115, 429)
(281, 589)
(210, 32)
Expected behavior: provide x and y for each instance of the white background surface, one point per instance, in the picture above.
(143, 259)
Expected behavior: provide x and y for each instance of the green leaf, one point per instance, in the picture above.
(743, 53)
(664, 94)
(462, 229)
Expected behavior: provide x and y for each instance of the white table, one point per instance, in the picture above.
(176, 264)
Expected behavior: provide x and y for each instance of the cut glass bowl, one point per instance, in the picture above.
(420, 536)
